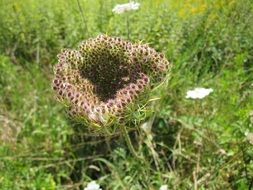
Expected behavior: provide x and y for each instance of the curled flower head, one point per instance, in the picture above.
(104, 75)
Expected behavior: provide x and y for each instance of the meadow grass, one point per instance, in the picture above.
(193, 144)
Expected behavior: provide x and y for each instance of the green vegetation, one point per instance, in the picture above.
(194, 144)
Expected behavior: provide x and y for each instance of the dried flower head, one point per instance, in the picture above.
(106, 74)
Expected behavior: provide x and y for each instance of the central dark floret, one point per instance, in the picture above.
(104, 75)
(108, 73)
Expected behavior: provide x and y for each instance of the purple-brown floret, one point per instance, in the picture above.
(105, 75)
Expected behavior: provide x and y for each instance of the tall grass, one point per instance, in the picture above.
(194, 144)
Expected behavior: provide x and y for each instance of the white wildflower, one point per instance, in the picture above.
(121, 8)
(222, 152)
(164, 187)
(92, 186)
(146, 127)
(251, 116)
(249, 137)
(198, 93)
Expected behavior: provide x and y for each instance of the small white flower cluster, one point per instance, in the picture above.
(164, 187)
(198, 93)
(121, 8)
(92, 186)
(146, 127)
(249, 137)
(251, 116)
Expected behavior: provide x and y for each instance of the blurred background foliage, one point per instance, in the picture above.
(194, 144)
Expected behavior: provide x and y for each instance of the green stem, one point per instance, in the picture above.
(128, 141)
(128, 27)
(83, 18)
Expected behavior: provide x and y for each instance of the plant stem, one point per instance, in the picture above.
(128, 27)
(83, 18)
(128, 141)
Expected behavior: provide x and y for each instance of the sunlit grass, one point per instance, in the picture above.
(193, 144)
